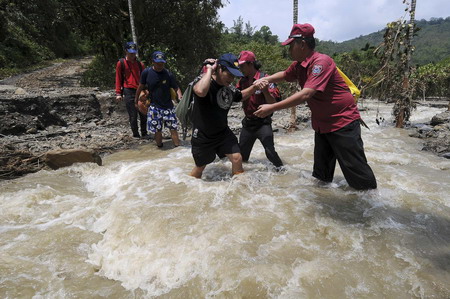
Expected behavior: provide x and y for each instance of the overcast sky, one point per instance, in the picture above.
(336, 20)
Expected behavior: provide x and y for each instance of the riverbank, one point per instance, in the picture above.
(49, 110)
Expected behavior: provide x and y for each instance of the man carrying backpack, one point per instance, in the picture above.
(128, 73)
(334, 114)
(161, 113)
(213, 97)
(254, 127)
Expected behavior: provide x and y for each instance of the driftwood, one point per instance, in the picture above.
(15, 163)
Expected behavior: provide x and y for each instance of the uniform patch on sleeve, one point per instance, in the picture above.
(317, 69)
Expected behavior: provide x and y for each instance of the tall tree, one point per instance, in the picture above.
(293, 120)
(133, 29)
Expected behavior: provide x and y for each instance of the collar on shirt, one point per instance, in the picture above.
(308, 59)
(255, 77)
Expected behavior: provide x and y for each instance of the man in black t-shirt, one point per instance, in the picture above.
(213, 97)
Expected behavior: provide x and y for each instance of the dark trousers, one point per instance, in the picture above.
(346, 146)
(265, 134)
(129, 96)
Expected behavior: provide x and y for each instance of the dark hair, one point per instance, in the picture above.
(310, 41)
(257, 64)
(222, 67)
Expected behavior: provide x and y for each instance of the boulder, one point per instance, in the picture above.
(20, 91)
(62, 158)
(441, 118)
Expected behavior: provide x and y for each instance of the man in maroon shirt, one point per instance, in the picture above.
(254, 127)
(334, 113)
(128, 73)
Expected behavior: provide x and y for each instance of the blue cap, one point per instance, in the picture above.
(230, 61)
(159, 56)
(131, 47)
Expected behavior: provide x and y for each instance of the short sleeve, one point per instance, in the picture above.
(144, 76)
(274, 91)
(319, 74)
(173, 81)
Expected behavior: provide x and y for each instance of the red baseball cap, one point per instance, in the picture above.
(246, 56)
(299, 30)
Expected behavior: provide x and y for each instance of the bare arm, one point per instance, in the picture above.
(138, 92)
(268, 96)
(295, 99)
(275, 78)
(201, 88)
(246, 93)
(179, 93)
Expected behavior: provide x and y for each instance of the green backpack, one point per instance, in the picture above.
(185, 109)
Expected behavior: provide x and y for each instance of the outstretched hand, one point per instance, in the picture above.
(264, 110)
(261, 84)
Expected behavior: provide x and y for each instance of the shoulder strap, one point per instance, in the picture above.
(353, 89)
(122, 66)
(140, 67)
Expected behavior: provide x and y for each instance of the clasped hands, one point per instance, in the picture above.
(263, 110)
(261, 83)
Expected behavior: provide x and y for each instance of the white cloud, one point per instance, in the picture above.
(333, 20)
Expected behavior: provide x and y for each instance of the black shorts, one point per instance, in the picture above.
(204, 149)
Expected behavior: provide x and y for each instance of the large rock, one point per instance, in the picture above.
(441, 118)
(62, 158)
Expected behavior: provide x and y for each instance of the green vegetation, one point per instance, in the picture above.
(433, 79)
(34, 32)
(38, 30)
(432, 42)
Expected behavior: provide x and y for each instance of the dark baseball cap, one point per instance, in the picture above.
(131, 47)
(159, 56)
(230, 61)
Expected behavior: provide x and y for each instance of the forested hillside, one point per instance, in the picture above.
(35, 31)
(432, 41)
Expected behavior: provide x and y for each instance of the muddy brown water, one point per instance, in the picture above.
(140, 227)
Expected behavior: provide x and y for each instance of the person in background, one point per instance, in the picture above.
(161, 113)
(213, 96)
(334, 113)
(128, 73)
(254, 127)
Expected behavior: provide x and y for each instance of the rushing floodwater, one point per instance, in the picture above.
(140, 227)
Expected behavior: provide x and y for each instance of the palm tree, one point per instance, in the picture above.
(133, 30)
(293, 121)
